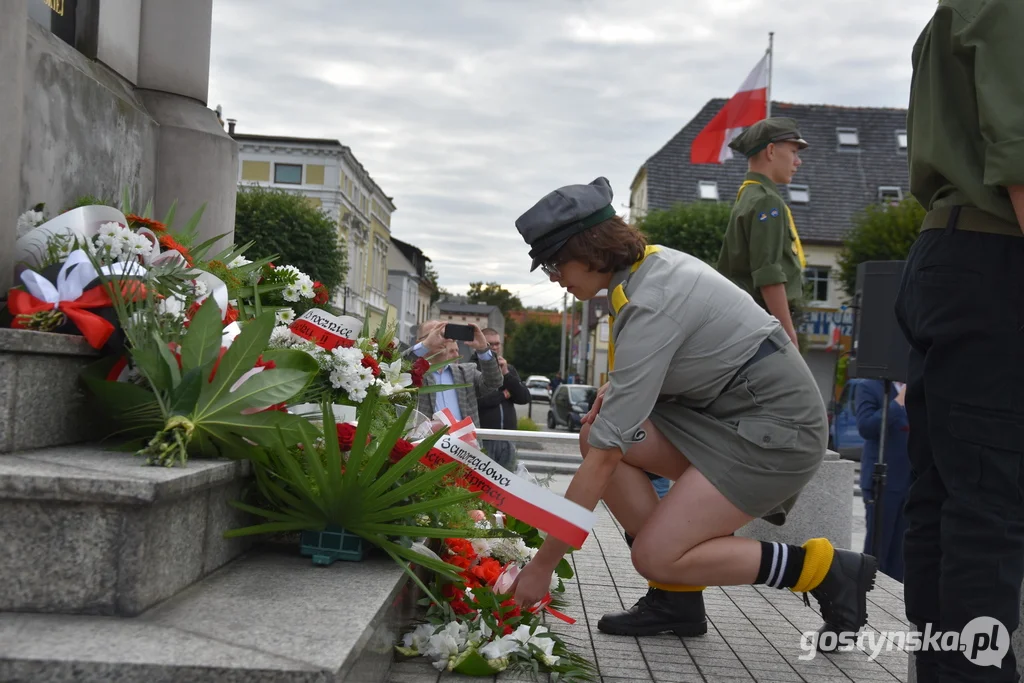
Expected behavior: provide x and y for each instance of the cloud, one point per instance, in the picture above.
(469, 111)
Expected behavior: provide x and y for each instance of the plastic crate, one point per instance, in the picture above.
(333, 543)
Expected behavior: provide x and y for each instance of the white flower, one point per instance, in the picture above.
(392, 373)
(290, 270)
(418, 638)
(290, 293)
(238, 262)
(498, 648)
(173, 305)
(481, 546)
(199, 289)
(306, 289)
(554, 583)
(285, 316)
(109, 232)
(29, 220)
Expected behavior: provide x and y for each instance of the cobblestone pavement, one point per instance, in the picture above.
(754, 632)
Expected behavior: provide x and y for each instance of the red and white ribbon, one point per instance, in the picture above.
(524, 500)
(325, 330)
(463, 429)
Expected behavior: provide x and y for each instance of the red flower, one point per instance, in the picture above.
(488, 571)
(460, 561)
(460, 546)
(346, 436)
(459, 606)
(402, 448)
(268, 364)
(155, 226)
(322, 295)
(171, 244)
(231, 315)
(369, 362)
(419, 368)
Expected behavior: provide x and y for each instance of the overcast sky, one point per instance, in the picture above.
(467, 112)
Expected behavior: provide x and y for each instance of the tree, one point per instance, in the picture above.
(438, 292)
(880, 233)
(534, 348)
(494, 294)
(289, 226)
(697, 228)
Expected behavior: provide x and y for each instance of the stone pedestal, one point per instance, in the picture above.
(822, 511)
(12, 78)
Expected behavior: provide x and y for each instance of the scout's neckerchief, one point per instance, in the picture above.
(618, 300)
(797, 247)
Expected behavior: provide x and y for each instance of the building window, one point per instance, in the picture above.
(708, 189)
(799, 194)
(901, 140)
(816, 281)
(890, 194)
(848, 138)
(288, 174)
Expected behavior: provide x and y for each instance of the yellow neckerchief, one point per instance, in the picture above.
(618, 300)
(797, 247)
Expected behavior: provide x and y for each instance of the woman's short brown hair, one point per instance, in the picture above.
(608, 247)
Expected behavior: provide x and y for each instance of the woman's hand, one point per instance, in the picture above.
(532, 584)
(596, 408)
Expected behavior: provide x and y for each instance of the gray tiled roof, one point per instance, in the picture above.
(841, 182)
(478, 309)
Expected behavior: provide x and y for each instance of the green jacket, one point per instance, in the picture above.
(965, 124)
(758, 249)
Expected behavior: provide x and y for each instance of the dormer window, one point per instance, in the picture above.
(848, 138)
(901, 140)
(708, 189)
(799, 194)
(890, 194)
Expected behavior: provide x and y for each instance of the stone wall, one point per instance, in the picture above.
(84, 129)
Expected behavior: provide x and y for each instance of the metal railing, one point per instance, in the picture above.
(527, 436)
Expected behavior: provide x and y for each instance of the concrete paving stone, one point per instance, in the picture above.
(628, 673)
(671, 677)
(461, 678)
(719, 674)
(633, 679)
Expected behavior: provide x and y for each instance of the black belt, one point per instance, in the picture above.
(970, 219)
(767, 348)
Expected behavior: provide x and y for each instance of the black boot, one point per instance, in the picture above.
(657, 612)
(842, 596)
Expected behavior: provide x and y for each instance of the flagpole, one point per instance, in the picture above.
(771, 43)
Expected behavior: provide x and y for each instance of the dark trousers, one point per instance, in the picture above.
(894, 526)
(961, 307)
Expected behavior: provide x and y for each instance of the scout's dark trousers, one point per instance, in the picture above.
(961, 306)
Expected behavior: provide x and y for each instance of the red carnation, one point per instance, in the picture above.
(460, 546)
(402, 448)
(419, 368)
(488, 571)
(231, 315)
(369, 362)
(346, 436)
(322, 295)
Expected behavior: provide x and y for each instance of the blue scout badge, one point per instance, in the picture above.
(775, 213)
(763, 217)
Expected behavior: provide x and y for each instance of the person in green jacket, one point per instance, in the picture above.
(762, 253)
(961, 308)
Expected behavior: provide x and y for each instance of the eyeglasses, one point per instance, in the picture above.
(551, 270)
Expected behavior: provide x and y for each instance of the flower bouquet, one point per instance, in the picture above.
(478, 629)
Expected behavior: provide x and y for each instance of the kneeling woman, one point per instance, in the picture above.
(705, 389)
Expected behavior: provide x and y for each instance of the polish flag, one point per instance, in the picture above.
(748, 106)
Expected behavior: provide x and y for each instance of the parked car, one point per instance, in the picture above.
(569, 404)
(540, 388)
(843, 434)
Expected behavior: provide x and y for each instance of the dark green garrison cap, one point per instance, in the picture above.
(565, 212)
(758, 136)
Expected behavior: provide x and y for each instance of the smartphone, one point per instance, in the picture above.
(459, 332)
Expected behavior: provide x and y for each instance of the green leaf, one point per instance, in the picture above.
(262, 390)
(169, 360)
(383, 452)
(420, 484)
(404, 511)
(202, 343)
(396, 471)
(472, 663)
(183, 399)
(188, 233)
(239, 359)
(564, 569)
(437, 388)
(262, 428)
(269, 528)
(117, 398)
(169, 217)
(148, 211)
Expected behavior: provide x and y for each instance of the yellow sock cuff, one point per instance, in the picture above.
(675, 588)
(816, 564)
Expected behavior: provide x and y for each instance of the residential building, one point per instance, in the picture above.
(527, 315)
(409, 288)
(328, 173)
(483, 315)
(857, 157)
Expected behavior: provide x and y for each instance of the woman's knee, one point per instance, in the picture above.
(651, 562)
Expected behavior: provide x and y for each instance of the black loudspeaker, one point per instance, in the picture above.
(880, 351)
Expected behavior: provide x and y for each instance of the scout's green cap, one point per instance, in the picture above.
(562, 213)
(758, 136)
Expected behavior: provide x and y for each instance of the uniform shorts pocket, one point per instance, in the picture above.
(768, 433)
(988, 454)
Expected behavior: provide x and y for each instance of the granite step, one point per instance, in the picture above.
(267, 617)
(86, 530)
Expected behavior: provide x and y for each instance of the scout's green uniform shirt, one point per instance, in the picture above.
(759, 247)
(965, 124)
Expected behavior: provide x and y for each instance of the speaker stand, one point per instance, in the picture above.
(878, 478)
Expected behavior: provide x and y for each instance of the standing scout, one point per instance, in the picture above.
(762, 252)
(706, 389)
(961, 307)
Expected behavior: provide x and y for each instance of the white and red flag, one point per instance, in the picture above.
(748, 106)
